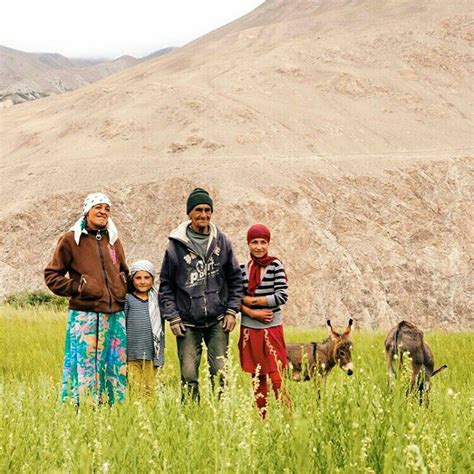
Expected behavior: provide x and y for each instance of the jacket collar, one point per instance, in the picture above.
(180, 233)
(79, 229)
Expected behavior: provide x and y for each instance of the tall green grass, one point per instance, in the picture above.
(356, 426)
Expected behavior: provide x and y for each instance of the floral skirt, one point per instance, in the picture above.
(95, 357)
(262, 350)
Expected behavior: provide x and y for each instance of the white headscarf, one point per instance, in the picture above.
(90, 201)
(153, 308)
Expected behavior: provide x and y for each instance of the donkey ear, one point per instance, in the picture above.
(348, 329)
(334, 335)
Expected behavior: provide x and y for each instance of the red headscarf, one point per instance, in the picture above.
(257, 231)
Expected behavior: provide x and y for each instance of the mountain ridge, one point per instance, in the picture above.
(29, 76)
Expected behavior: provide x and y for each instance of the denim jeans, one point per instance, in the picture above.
(189, 354)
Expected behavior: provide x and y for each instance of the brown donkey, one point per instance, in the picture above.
(403, 338)
(305, 359)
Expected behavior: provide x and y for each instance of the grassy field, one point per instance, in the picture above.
(356, 426)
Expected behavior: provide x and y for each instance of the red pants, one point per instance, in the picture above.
(261, 390)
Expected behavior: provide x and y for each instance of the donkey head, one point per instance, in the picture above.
(342, 347)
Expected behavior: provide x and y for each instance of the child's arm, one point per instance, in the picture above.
(279, 297)
(263, 315)
(255, 301)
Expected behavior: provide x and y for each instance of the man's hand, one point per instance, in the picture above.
(262, 315)
(178, 328)
(228, 323)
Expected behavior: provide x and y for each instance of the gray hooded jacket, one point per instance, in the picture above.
(199, 291)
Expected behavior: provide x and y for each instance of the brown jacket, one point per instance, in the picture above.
(96, 270)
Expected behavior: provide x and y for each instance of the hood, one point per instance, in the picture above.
(180, 233)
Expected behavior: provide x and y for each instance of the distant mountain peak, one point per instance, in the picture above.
(29, 76)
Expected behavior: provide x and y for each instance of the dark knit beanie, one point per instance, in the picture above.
(198, 196)
(258, 231)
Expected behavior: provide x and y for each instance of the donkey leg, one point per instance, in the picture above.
(426, 387)
(390, 370)
(414, 377)
(322, 380)
(316, 383)
(318, 380)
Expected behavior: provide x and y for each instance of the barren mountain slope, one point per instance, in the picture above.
(344, 125)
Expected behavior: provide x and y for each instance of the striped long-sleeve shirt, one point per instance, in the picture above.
(274, 286)
(139, 332)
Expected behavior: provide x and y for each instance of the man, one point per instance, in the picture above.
(200, 291)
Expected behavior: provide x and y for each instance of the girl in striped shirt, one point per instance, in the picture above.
(145, 334)
(262, 345)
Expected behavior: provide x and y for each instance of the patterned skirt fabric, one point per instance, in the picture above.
(95, 357)
(262, 350)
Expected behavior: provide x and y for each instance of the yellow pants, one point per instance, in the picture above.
(142, 376)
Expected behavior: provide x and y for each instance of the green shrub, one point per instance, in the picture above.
(25, 299)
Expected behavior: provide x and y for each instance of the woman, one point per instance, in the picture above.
(91, 255)
(262, 345)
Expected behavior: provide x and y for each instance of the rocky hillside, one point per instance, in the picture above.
(346, 126)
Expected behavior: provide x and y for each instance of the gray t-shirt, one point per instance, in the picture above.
(199, 241)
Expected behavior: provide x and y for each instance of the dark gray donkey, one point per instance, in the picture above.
(403, 338)
(306, 359)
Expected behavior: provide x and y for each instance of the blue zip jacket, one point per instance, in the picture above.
(199, 291)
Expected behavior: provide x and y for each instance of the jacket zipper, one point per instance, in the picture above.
(204, 292)
(102, 264)
(207, 281)
(204, 296)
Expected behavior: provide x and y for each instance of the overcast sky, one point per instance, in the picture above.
(111, 28)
